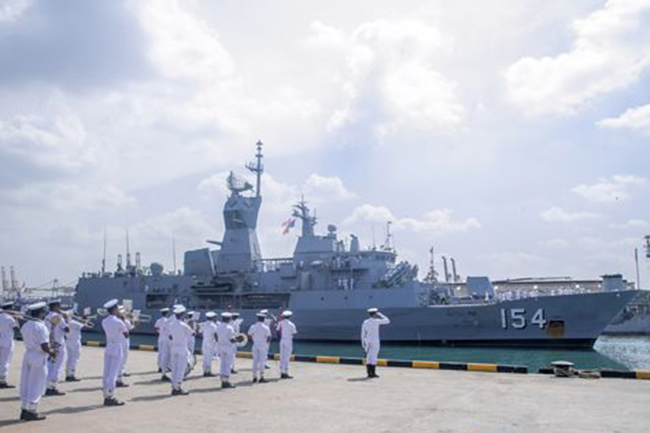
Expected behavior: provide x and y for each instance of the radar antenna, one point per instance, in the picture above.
(257, 168)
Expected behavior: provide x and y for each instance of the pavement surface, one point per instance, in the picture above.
(335, 398)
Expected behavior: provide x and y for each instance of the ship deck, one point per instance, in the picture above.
(336, 398)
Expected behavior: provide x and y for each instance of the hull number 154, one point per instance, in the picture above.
(516, 318)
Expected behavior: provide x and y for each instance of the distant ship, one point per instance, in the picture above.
(329, 285)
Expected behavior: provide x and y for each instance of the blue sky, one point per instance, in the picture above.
(513, 136)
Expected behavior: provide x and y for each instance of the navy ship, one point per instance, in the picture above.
(329, 284)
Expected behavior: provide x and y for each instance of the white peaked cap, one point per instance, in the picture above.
(226, 314)
(260, 314)
(373, 310)
(287, 313)
(36, 306)
(110, 304)
(264, 311)
(210, 314)
(179, 309)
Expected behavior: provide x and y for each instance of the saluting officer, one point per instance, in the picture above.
(287, 330)
(370, 339)
(236, 323)
(73, 348)
(36, 337)
(7, 325)
(261, 336)
(116, 332)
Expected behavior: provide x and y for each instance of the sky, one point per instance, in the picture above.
(511, 135)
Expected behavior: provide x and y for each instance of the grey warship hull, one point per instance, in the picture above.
(329, 283)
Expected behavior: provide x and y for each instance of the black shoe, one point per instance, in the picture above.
(208, 374)
(120, 384)
(262, 380)
(71, 379)
(159, 370)
(266, 367)
(227, 385)
(5, 385)
(285, 376)
(254, 380)
(164, 378)
(27, 415)
(53, 392)
(179, 392)
(233, 371)
(126, 374)
(112, 401)
(369, 371)
(373, 372)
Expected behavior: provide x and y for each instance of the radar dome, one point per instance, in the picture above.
(156, 269)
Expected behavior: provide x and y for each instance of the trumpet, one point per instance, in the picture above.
(241, 340)
(87, 321)
(20, 316)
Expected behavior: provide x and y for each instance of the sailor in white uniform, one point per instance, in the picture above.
(58, 324)
(370, 339)
(180, 334)
(225, 342)
(269, 321)
(7, 326)
(236, 323)
(116, 332)
(36, 337)
(126, 346)
(209, 344)
(163, 342)
(73, 348)
(261, 336)
(192, 320)
(287, 330)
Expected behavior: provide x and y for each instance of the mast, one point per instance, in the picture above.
(257, 168)
(636, 263)
(128, 251)
(104, 256)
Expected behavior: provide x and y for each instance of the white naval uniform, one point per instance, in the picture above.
(260, 334)
(268, 322)
(209, 344)
(73, 346)
(370, 337)
(7, 326)
(180, 333)
(34, 370)
(126, 345)
(114, 328)
(225, 333)
(236, 326)
(163, 343)
(57, 335)
(287, 330)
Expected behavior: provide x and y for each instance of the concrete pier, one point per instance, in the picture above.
(335, 398)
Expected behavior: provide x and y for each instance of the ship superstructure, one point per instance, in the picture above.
(329, 283)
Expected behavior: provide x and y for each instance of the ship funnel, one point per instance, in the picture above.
(444, 265)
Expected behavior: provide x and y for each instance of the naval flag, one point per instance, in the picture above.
(288, 225)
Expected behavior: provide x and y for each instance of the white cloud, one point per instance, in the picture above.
(11, 10)
(438, 221)
(326, 188)
(634, 223)
(610, 50)
(392, 80)
(557, 244)
(559, 214)
(637, 119)
(618, 187)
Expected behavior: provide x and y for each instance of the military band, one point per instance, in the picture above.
(48, 337)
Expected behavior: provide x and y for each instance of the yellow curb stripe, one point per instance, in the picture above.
(147, 347)
(482, 367)
(426, 364)
(382, 362)
(328, 359)
(93, 343)
(643, 375)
